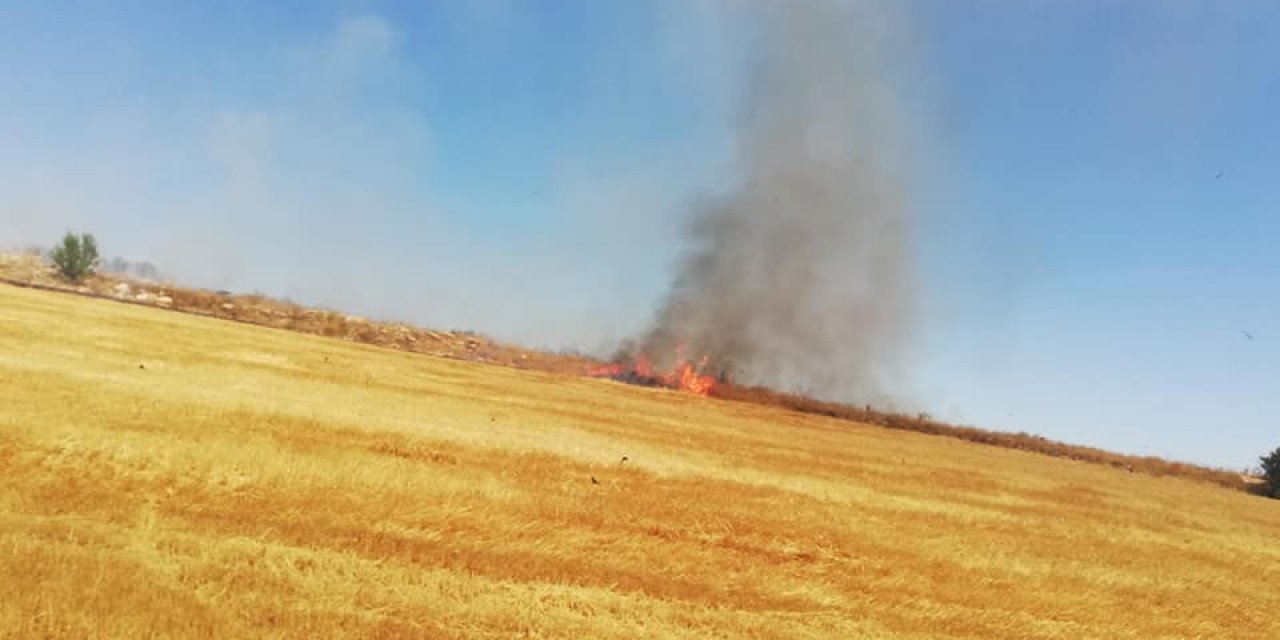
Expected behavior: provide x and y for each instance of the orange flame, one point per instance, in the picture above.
(685, 376)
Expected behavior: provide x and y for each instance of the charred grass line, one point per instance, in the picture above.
(1020, 441)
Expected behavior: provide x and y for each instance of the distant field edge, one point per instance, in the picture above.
(259, 310)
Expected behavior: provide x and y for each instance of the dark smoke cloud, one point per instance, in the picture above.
(801, 277)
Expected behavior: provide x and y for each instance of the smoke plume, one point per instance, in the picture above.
(800, 278)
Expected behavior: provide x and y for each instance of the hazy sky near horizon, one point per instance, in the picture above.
(1094, 200)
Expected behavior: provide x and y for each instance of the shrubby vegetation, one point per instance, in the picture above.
(77, 257)
(1271, 474)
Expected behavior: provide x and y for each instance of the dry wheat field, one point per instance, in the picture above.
(170, 476)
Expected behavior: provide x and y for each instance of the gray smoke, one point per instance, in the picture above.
(800, 278)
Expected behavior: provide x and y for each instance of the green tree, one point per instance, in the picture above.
(77, 257)
(1271, 473)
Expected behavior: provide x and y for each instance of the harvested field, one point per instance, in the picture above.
(171, 475)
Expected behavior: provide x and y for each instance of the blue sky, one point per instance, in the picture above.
(523, 169)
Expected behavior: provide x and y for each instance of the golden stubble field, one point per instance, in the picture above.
(168, 476)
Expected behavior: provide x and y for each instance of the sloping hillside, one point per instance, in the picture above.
(169, 475)
(30, 270)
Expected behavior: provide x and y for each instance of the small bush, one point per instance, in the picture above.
(1271, 474)
(77, 257)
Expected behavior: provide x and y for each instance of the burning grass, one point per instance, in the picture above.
(252, 483)
(682, 375)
